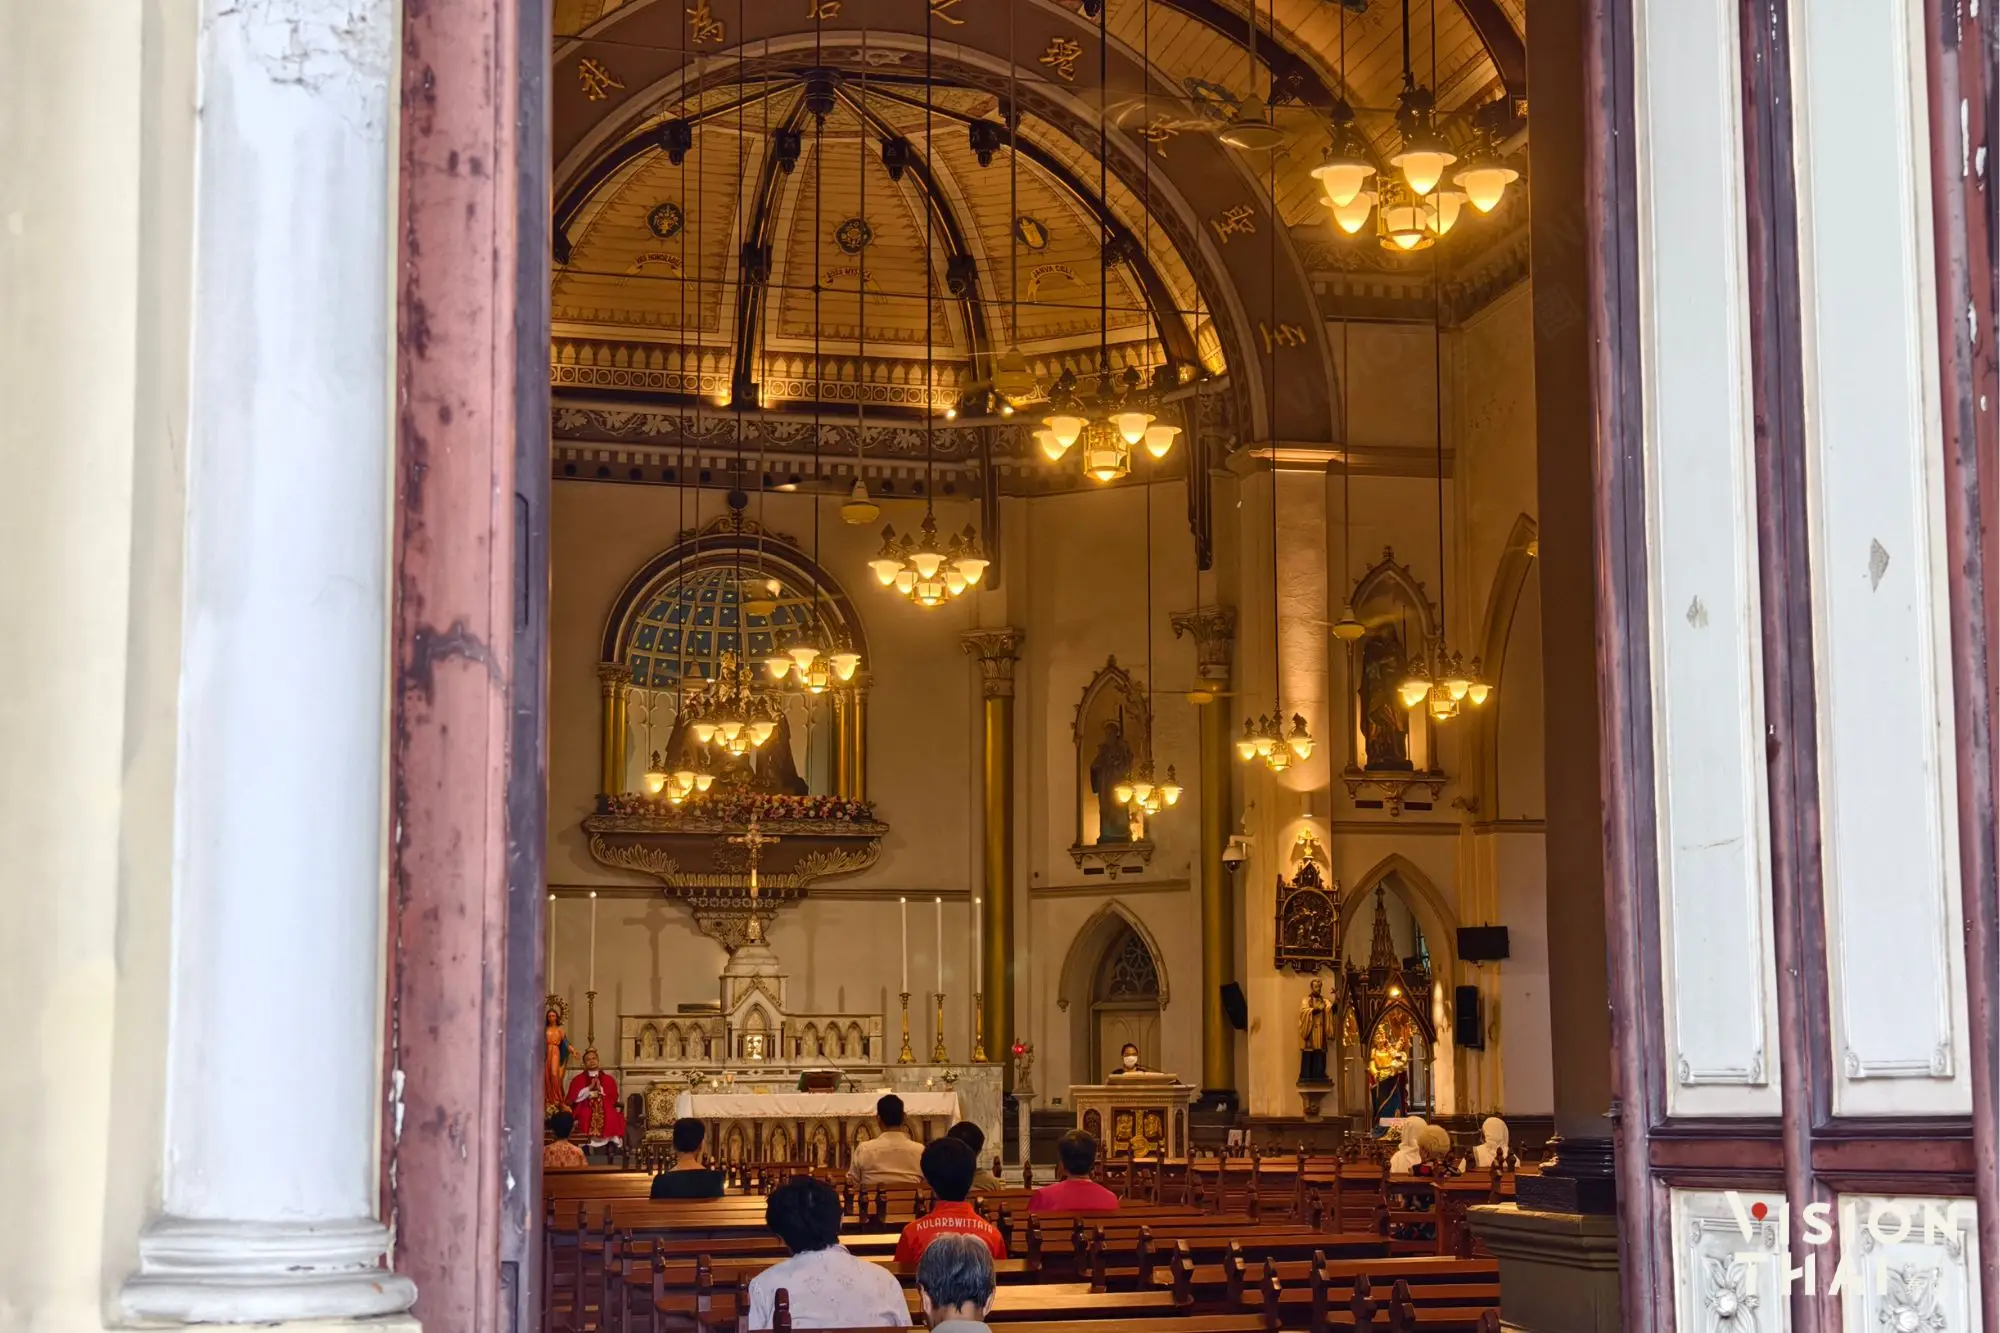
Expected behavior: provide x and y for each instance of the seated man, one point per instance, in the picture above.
(973, 1137)
(955, 1285)
(559, 1151)
(948, 1166)
(688, 1178)
(1076, 1192)
(827, 1286)
(892, 1157)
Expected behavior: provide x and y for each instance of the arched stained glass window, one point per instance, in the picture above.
(693, 619)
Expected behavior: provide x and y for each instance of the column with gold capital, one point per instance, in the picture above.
(1213, 629)
(614, 678)
(996, 650)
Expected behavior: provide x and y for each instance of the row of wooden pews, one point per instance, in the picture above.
(1343, 1194)
(619, 1262)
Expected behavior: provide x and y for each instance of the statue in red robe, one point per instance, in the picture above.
(593, 1099)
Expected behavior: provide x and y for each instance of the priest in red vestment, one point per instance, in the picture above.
(593, 1099)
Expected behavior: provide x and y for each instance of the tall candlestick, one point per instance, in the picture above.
(978, 959)
(593, 941)
(905, 909)
(551, 968)
(940, 943)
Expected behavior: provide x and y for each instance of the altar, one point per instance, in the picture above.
(822, 1128)
(739, 1062)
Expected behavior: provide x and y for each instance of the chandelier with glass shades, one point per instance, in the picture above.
(1444, 685)
(927, 571)
(922, 567)
(738, 712)
(1123, 415)
(1420, 206)
(1265, 737)
(1142, 795)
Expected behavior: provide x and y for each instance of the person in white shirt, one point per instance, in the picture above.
(1492, 1144)
(892, 1157)
(825, 1285)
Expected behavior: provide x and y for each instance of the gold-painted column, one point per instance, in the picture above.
(612, 680)
(997, 651)
(857, 740)
(1214, 631)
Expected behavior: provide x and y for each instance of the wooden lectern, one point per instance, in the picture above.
(1144, 1114)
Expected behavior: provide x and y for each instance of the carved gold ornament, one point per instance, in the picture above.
(597, 82)
(1061, 56)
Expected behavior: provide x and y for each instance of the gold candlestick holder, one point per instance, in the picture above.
(939, 1055)
(908, 1056)
(978, 1028)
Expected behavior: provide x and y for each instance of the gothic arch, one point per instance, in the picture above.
(1434, 913)
(1510, 579)
(1080, 963)
(1076, 990)
(1438, 920)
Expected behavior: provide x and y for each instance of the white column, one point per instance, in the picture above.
(274, 1067)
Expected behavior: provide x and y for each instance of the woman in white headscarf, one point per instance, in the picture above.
(1492, 1143)
(1410, 1150)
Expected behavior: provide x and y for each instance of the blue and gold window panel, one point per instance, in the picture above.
(698, 617)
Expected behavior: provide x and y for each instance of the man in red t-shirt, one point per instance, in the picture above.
(1076, 1192)
(948, 1166)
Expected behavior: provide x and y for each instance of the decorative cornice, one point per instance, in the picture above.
(997, 651)
(1214, 631)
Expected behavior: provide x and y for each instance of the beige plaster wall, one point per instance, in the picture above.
(95, 228)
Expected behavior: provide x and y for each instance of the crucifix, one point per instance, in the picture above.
(754, 842)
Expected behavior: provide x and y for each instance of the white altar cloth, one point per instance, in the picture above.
(807, 1105)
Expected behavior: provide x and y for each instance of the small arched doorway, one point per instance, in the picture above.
(1124, 1004)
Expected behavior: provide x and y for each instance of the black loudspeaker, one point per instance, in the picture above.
(1233, 1005)
(1468, 1031)
(1482, 944)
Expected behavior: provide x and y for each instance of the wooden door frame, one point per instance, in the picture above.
(1806, 1153)
(461, 1114)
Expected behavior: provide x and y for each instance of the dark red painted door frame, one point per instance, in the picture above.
(1806, 1153)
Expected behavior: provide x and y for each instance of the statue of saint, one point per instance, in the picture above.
(1385, 724)
(1315, 1018)
(777, 768)
(554, 1058)
(1112, 766)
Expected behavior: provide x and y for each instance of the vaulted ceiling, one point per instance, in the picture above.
(824, 274)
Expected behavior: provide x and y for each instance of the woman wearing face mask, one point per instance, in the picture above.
(1128, 1061)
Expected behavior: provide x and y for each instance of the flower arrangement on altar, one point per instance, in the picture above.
(737, 806)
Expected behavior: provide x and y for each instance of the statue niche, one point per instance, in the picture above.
(1391, 749)
(1385, 723)
(1111, 765)
(1112, 732)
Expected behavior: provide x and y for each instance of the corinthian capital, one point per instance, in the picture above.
(612, 675)
(997, 651)
(1214, 632)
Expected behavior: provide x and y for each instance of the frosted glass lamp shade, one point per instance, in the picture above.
(1341, 179)
(1352, 216)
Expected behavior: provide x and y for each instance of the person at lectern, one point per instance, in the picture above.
(1128, 1062)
